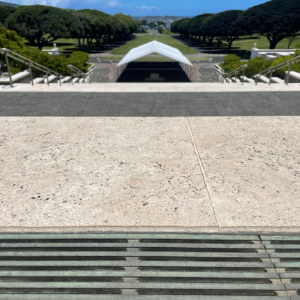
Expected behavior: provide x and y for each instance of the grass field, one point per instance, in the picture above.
(149, 58)
(141, 40)
(168, 32)
(243, 46)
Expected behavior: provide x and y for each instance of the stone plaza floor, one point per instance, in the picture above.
(152, 173)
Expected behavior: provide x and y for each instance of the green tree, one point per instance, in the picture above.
(208, 33)
(121, 28)
(9, 39)
(144, 22)
(181, 26)
(292, 39)
(222, 27)
(151, 25)
(36, 21)
(99, 25)
(275, 19)
(132, 25)
(5, 11)
(161, 23)
(195, 26)
(160, 30)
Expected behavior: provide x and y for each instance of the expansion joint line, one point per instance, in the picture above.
(203, 173)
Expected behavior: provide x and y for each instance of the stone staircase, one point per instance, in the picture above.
(293, 77)
(50, 76)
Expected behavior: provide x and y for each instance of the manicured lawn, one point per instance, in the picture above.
(149, 58)
(243, 46)
(141, 40)
(247, 43)
(168, 32)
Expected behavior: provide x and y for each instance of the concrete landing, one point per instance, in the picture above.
(154, 87)
(107, 173)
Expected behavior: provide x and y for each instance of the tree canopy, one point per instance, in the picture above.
(10, 39)
(5, 11)
(221, 26)
(195, 25)
(34, 22)
(275, 19)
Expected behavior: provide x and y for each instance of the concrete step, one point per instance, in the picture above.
(81, 80)
(295, 74)
(38, 80)
(235, 80)
(246, 79)
(75, 80)
(263, 79)
(51, 78)
(66, 79)
(277, 80)
(14, 77)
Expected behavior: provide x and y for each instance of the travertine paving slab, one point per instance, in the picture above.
(252, 166)
(100, 172)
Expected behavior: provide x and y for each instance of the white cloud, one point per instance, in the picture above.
(113, 3)
(56, 3)
(146, 7)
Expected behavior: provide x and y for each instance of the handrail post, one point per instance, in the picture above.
(243, 76)
(8, 69)
(235, 77)
(256, 79)
(47, 75)
(59, 80)
(288, 74)
(71, 70)
(30, 71)
(271, 72)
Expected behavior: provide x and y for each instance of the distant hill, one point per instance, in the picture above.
(8, 4)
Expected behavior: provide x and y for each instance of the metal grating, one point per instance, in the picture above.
(149, 266)
(284, 253)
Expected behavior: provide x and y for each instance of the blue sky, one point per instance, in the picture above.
(149, 7)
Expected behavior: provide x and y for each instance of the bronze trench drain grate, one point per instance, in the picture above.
(149, 266)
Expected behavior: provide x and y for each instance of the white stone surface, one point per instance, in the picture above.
(100, 172)
(142, 174)
(153, 87)
(252, 166)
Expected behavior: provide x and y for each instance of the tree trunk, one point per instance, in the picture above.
(40, 43)
(79, 44)
(273, 44)
(204, 39)
(229, 45)
(210, 41)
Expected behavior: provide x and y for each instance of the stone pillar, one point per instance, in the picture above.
(254, 51)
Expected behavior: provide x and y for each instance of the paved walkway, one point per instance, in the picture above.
(150, 162)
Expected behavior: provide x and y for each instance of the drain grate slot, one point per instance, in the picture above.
(148, 267)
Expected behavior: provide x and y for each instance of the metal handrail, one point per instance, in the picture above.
(75, 72)
(30, 63)
(233, 73)
(277, 67)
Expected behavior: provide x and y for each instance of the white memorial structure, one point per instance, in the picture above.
(53, 51)
(270, 54)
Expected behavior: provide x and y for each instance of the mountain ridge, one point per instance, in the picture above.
(8, 4)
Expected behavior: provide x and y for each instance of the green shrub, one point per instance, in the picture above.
(9, 39)
(231, 62)
(257, 65)
(160, 30)
(79, 59)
